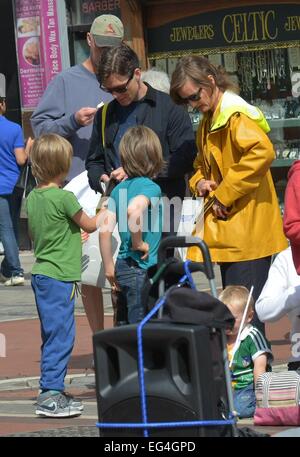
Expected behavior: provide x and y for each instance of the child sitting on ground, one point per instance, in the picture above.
(55, 218)
(248, 357)
(135, 204)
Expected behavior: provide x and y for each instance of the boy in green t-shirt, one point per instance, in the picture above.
(249, 356)
(55, 218)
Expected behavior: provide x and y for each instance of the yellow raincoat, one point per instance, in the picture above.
(235, 152)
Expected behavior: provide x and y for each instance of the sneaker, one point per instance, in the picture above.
(15, 281)
(74, 402)
(55, 405)
(1, 249)
(3, 278)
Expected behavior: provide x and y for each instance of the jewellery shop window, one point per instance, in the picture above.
(270, 80)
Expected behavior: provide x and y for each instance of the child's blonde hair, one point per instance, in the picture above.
(236, 297)
(51, 156)
(141, 152)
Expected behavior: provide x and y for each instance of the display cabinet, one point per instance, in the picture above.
(270, 80)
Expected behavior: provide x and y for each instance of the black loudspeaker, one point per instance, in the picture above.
(184, 379)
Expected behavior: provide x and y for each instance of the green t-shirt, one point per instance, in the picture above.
(56, 237)
(252, 345)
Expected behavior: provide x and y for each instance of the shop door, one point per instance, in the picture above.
(8, 61)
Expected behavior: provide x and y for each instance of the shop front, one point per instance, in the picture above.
(50, 36)
(259, 45)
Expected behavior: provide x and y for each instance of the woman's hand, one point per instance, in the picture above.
(205, 186)
(220, 211)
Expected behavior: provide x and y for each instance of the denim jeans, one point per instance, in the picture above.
(131, 279)
(9, 217)
(244, 401)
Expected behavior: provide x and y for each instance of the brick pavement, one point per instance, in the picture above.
(19, 370)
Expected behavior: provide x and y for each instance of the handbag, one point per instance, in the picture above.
(191, 220)
(277, 398)
(26, 182)
(92, 270)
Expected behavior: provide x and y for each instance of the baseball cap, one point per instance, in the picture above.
(107, 30)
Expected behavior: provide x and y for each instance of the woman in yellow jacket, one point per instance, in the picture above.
(243, 227)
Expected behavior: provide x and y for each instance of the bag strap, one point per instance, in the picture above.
(103, 122)
(26, 179)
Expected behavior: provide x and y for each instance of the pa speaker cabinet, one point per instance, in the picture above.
(184, 378)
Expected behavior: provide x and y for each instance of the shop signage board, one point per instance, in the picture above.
(85, 11)
(228, 29)
(49, 41)
(37, 38)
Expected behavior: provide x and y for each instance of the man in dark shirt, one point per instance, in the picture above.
(136, 103)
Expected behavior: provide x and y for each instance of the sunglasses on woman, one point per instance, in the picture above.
(120, 89)
(192, 98)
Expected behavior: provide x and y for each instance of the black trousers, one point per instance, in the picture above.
(247, 273)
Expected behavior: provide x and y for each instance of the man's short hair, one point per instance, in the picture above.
(120, 60)
(107, 30)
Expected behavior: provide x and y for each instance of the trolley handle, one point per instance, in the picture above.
(185, 242)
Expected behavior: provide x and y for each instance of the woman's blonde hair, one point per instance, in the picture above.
(236, 297)
(197, 69)
(51, 156)
(141, 152)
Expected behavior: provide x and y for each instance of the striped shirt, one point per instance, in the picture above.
(252, 345)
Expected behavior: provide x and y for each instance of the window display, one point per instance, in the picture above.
(267, 79)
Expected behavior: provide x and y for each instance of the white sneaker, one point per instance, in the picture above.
(15, 281)
(1, 249)
(3, 278)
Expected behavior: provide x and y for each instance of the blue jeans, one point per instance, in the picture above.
(55, 302)
(9, 217)
(244, 401)
(131, 279)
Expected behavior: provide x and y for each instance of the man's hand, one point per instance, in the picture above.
(118, 174)
(205, 186)
(104, 178)
(85, 116)
(142, 247)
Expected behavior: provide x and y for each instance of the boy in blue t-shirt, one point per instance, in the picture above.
(135, 204)
(12, 156)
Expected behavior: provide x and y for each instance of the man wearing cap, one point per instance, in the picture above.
(70, 101)
(137, 103)
(68, 107)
